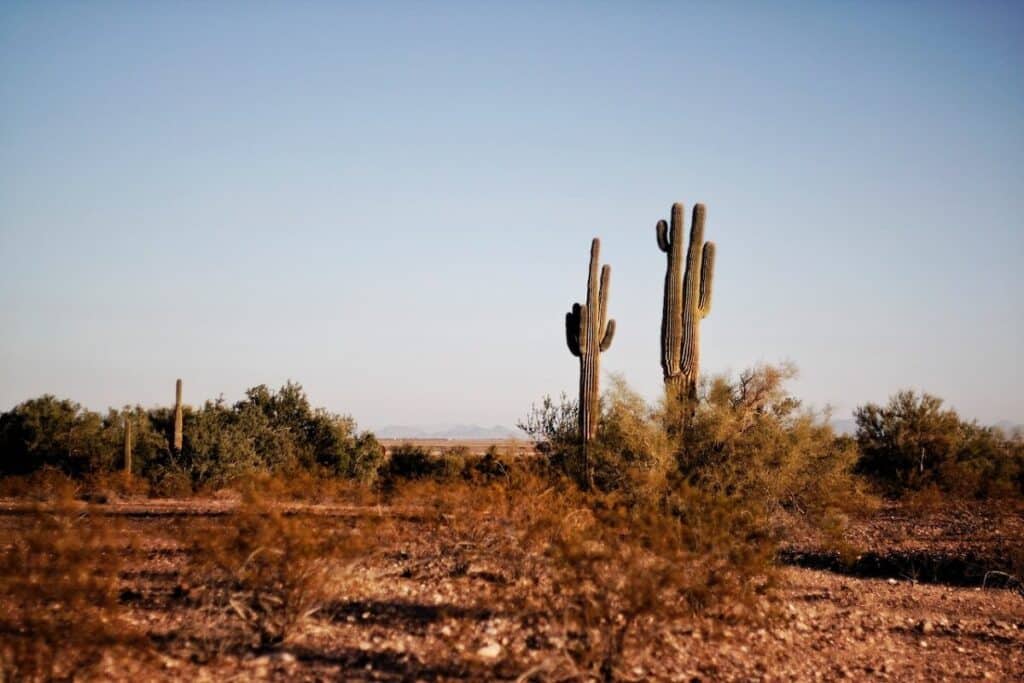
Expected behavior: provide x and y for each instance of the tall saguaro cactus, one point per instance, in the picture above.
(588, 333)
(178, 417)
(127, 446)
(687, 299)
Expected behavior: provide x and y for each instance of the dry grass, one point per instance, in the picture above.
(59, 609)
(271, 570)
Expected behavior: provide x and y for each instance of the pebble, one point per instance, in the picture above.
(489, 651)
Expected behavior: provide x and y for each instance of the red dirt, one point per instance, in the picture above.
(407, 616)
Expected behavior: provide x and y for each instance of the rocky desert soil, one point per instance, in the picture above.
(900, 599)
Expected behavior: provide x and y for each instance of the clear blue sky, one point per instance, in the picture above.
(392, 203)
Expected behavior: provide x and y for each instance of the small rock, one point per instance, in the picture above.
(892, 582)
(925, 626)
(489, 651)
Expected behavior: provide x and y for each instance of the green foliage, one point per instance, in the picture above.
(913, 443)
(408, 461)
(266, 432)
(48, 431)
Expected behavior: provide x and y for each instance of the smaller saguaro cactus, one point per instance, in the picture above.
(127, 446)
(179, 418)
(687, 299)
(588, 333)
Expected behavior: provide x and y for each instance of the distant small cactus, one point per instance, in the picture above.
(178, 417)
(127, 445)
(588, 332)
(687, 299)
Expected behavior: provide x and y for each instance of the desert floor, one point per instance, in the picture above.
(911, 609)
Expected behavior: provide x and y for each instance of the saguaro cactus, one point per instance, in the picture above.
(588, 332)
(687, 299)
(127, 446)
(178, 417)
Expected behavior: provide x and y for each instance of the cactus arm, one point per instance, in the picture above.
(661, 229)
(609, 332)
(707, 274)
(606, 276)
(572, 330)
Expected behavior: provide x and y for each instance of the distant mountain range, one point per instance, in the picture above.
(447, 431)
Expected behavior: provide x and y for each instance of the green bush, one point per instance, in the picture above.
(408, 461)
(50, 432)
(913, 443)
(266, 432)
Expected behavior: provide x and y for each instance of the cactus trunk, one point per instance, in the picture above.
(178, 417)
(127, 446)
(588, 333)
(687, 299)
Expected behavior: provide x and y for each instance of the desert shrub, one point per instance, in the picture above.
(913, 443)
(104, 486)
(746, 436)
(45, 485)
(622, 570)
(554, 429)
(597, 573)
(751, 438)
(271, 570)
(50, 432)
(493, 465)
(170, 481)
(315, 485)
(267, 431)
(628, 444)
(631, 452)
(409, 461)
(58, 587)
(276, 432)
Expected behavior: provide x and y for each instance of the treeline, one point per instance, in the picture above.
(273, 432)
(746, 435)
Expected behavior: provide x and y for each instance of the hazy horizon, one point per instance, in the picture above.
(393, 204)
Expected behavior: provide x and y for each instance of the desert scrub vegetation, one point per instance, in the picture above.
(591, 576)
(622, 573)
(915, 445)
(747, 436)
(268, 431)
(59, 608)
(269, 570)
